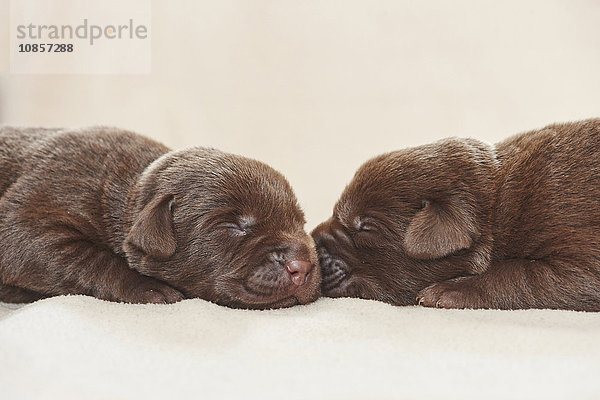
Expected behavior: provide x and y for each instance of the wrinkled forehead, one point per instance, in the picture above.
(244, 188)
(262, 196)
(353, 204)
(382, 184)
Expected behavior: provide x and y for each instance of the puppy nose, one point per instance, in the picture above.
(298, 270)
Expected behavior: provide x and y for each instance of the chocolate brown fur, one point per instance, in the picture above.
(460, 224)
(111, 214)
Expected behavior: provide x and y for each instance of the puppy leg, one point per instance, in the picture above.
(517, 284)
(67, 266)
(13, 294)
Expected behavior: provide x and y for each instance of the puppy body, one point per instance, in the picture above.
(112, 214)
(461, 224)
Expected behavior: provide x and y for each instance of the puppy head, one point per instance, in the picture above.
(223, 228)
(408, 219)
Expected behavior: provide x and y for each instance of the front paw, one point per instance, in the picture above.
(455, 293)
(153, 291)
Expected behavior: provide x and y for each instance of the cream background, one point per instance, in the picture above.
(315, 88)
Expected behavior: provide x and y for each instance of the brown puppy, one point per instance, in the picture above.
(461, 224)
(111, 214)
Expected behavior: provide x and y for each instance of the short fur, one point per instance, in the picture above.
(111, 214)
(461, 224)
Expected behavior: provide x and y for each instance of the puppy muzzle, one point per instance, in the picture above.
(335, 271)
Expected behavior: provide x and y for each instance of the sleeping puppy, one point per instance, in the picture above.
(111, 214)
(462, 224)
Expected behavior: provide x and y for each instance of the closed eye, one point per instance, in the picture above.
(367, 228)
(241, 227)
(364, 225)
(235, 229)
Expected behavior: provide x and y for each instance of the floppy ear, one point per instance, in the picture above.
(441, 228)
(152, 230)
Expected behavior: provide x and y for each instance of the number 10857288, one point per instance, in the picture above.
(46, 48)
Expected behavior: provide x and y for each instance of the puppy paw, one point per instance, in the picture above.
(154, 291)
(163, 295)
(455, 293)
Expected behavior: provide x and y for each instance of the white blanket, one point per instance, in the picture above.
(78, 347)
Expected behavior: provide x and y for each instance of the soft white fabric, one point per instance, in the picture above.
(78, 347)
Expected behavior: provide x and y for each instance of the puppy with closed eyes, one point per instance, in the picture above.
(111, 214)
(462, 224)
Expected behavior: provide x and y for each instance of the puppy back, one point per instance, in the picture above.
(548, 195)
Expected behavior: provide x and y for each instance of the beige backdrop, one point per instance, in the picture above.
(315, 88)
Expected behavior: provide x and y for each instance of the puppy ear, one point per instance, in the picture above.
(441, 228)
(152, 230)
